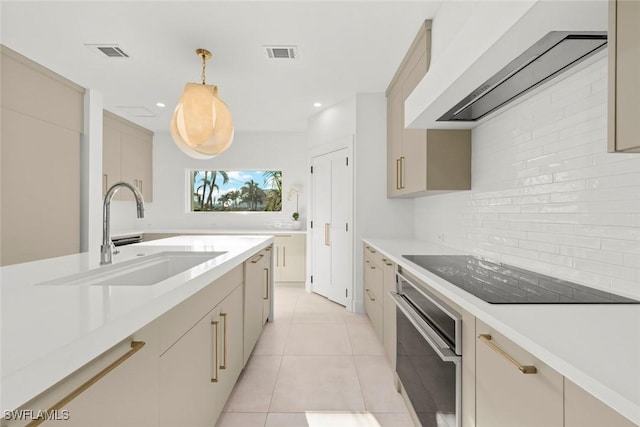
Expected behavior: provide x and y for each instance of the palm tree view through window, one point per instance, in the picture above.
(236, 191)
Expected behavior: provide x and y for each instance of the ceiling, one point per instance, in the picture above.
(344, 47)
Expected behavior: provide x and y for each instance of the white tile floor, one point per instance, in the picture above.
(315, 365)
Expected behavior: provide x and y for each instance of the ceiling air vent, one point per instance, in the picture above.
(107, 50)
(281, 52)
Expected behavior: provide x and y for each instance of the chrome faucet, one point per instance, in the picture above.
(106, 249)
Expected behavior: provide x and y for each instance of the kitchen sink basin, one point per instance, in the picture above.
(145, 271)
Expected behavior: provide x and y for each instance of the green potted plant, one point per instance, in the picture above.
(295, 216)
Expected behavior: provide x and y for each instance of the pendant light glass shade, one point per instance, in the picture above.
(202, 126)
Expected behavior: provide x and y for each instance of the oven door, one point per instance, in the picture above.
(430, 371)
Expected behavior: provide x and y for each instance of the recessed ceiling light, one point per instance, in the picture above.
(317, 104)
(160, 104)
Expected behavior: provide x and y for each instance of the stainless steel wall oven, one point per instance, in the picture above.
(429, 353)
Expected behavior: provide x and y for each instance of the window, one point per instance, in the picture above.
(236, 191)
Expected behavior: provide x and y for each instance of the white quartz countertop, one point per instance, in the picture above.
(50, 331)
(597, 346)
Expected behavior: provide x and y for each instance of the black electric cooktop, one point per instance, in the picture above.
(498, 283)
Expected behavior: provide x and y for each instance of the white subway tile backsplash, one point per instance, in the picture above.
(545, 193)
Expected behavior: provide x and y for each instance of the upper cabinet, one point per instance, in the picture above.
(127, 155)
(419, 161)
(624, 75)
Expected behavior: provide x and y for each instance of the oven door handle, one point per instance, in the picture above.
(437, 344)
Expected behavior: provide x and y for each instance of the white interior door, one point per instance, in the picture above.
(332, 235)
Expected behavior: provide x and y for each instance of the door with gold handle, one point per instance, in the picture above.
(135, 347)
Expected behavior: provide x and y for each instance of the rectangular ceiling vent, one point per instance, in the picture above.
(281, 52)
(107, 50)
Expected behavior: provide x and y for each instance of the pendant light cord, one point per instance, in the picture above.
(203, 68)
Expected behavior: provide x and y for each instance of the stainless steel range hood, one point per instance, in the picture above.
(549, 57)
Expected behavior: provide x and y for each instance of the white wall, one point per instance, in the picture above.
(259, 151)
(546, 195)
(375, 214)
(364, 116)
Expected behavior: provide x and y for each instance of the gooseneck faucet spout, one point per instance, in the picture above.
(106, 249)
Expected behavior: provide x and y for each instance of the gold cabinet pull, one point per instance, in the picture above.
(370, 249)
(398, 174)
(401, 172)
(258, 258)
(284, 256)
(525, 369)
(327, 234)
(369, 294)
(224, 341)
(214, 378)
(386, 261)
(135, 347)
(266, 270)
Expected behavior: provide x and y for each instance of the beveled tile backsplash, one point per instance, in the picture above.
(545, 194)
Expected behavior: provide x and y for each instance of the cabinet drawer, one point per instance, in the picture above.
(373, 296)
(505, 396)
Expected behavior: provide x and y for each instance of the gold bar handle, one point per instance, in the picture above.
(266, 270)
(224, 341)
(525, 369)
(398, 174)
(214, 378)
(402, 172)
(327, 232)
(369, 294)
(135, 347)
(258, 258)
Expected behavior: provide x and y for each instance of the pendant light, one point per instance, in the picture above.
(202, 126)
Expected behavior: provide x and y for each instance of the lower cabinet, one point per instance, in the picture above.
(373, 303)
(289, 258)
(581, 409)
(198, 372)
(114, 399)
(506, 396)
(257, 301)
(379, 280)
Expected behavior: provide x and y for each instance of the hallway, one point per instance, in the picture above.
(315, 365)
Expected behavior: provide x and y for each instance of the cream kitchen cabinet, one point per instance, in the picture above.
(581, 409)
(624, 75)
(373, 294)
(127, 155)
(199, 370)
(41, 123)
(379, 280)
(102, 393)
(422, 162)
(289, 258)
(513, 388)
(257, 301)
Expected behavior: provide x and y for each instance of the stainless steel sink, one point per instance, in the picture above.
(145, 271)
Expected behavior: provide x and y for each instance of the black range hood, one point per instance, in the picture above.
(550, 56)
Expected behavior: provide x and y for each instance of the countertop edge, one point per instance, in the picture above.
(601, 391)
(62, 362)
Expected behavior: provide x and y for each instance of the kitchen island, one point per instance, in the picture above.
(595, 346)
(51, 329)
